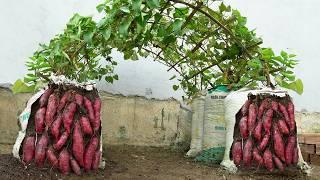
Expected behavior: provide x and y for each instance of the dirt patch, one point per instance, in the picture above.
(130, 162)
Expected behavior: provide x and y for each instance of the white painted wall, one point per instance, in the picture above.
(285, 24)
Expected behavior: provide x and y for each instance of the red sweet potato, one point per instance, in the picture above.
(55, 127)
(75, 166)
(257, 133)
(295, 157)
(289, 149)
(252, 117)
(52, 158)
(62, 141)
(68, 115)
(89, 153)
(85, 124)
(283, 127)
(291, 116)
(257, 157)
(28, 149)
(285, 114)
(40, 152)
(97, 110)
(278, 163)
(79, 99)
(267, 159)
(243, 125)
(89, 108)
(39, 120)
(64, 100)
(264, 142)
(245, 107)
(96, 160)
(278, 144)
(64, 162)
(44, 97)
(51, 109)
(274, 105)
(267, 120)
(237, 152)
(78, 144)
(264, 104)
(247, 153)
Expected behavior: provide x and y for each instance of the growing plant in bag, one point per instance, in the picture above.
(271, 145)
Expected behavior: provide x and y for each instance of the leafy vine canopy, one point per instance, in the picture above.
(205, 41)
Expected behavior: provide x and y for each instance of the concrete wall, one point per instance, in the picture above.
(286, 24)
(129, 120)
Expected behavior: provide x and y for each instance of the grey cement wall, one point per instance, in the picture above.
(125, 119)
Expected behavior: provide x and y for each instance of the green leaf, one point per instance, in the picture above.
(109, 79)
(125, 9)
(299, 86)
(222, 7)
(175, 87)
(136, 5)
(100, 7)
(176, 25)
(20, 87)
(87, 37)
(116, 77)
(284, 54)
(153, 4)
(181, 12)
(106, 33)
(124, 25)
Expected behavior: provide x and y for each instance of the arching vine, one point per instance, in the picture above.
(206, 42)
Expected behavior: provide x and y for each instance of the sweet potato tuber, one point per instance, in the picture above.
(267, 159)
(289, 149)
(237, 152)
(291, 116)
(44, 97)
(252, 117)
(64, 162)
(40, 153)
(62, 141)
(85, 124)
(245, 107)
(51, 109)
(96, 160)
(257, 157)
(267, 120)
(264, 142)
(283, 127)
(274, 105)
(64, 100)
(264, 104)
(68, 115)
(247, 152)
(257, 133)
(39, 120)
(278, 144)
(278, 163)
(243, 125)
(78, 144)
(52, 158)
(285, 114)
(78, 99)
(89, 108)
(89, 153)
(55, 127)
(75, 166)
(97, 110)
(28, 149)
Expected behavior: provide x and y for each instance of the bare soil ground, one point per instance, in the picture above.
(130, 162)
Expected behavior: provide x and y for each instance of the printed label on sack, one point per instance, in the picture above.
(217, 97)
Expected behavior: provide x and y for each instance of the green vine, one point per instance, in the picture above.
(205, 46)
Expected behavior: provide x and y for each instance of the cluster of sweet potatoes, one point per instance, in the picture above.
(64, 130)
(265, 133)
